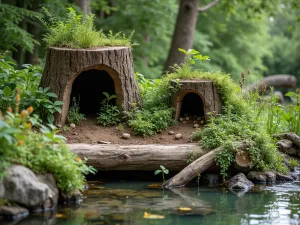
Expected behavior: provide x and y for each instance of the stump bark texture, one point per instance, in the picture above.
(205, 89)
(64, 65)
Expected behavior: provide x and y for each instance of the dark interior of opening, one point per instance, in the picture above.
(88, 89)
(192, 105)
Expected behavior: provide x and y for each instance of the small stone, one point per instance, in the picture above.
(202, 122)
(196, 125)
(59, 126)
(72, 125)
(195, 121)
(178, 136)
(187, 118)
(180, 119)
(75, 133)
(104, 142)
(126, 136)
(171, 132)
(183, 121)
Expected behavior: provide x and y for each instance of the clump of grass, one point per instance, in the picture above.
(79, 32)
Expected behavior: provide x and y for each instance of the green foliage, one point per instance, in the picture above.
(148, 122)
(11, 34)
(74, 116)
(43, 152)
(192, 55)
(109, 114)
(79, 32)
(25, 82)
(291, 115)
(163, 171)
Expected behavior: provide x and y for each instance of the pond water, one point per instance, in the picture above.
(132, 203)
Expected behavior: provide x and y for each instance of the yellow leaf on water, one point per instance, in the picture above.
(185, 209)
(59, 215)
(152, 216)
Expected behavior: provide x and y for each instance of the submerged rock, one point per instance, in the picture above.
(74, 197)
(13, 212)
(239, 182)
(283, 178)
(257, 177)
(23, 187)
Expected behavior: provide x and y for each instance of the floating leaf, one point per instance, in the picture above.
(185, 209)
(153, 216)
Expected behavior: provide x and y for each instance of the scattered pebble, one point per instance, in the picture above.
(126, 136)
(198, 118)
(59, 126)
(104, 142)
(195, 121)
(187, 118)
(178, 136)
(196, 125)
(74, 133)
(171, 132)
(202, 122)
(72, 125)
(181, 119)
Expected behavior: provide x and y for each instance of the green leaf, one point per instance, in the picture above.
(57, 109)
(166, 171)
(50, 118)
(157, 172)
(106, 94)
(6, 91)
(162, 167)
(290, 94)
(58, 103)
(51, 95)
(193, 52)
(182, 50)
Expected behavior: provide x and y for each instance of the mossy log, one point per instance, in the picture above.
(202, 164)
(138, 157)
(63, 65)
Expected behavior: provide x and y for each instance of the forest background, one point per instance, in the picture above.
(237, 35)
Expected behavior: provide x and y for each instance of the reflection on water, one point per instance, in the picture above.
(126, 202)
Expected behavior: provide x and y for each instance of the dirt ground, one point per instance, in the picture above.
(88, 132)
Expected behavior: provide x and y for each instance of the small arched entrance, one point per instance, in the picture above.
(88, 88)
(192, 105)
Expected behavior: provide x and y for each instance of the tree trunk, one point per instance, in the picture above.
(183, 35)
(199, 166)
(137, 157)
(84, 5)
(294, 138)
(64, 65)
(279, 81)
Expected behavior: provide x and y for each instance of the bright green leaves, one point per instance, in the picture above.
(109, 114)
(192, 56)
(163, 170)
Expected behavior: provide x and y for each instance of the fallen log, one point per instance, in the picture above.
(138, 157)
(294, 138)
(199, 166)
(279, 80)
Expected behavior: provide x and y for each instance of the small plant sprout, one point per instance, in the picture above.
(192, 55)
(163, 171)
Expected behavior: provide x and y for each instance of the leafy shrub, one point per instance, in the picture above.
(26, 81)
(149, 122)
(43, 152)
(109, 114)
(74, 116)
(79, 32)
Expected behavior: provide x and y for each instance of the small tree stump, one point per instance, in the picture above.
(196, 97)
(63, 65)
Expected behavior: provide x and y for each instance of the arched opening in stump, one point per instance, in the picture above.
(88, 88)
(192, 105)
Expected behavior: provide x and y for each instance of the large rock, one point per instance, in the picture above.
(22, 186)
(239, 182)
(287, 147)
(262, 177)
(13, 212)
(284, 178)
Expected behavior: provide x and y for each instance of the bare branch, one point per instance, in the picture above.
(208, 6)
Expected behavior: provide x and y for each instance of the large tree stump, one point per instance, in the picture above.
(185, 99)
(64, 65)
